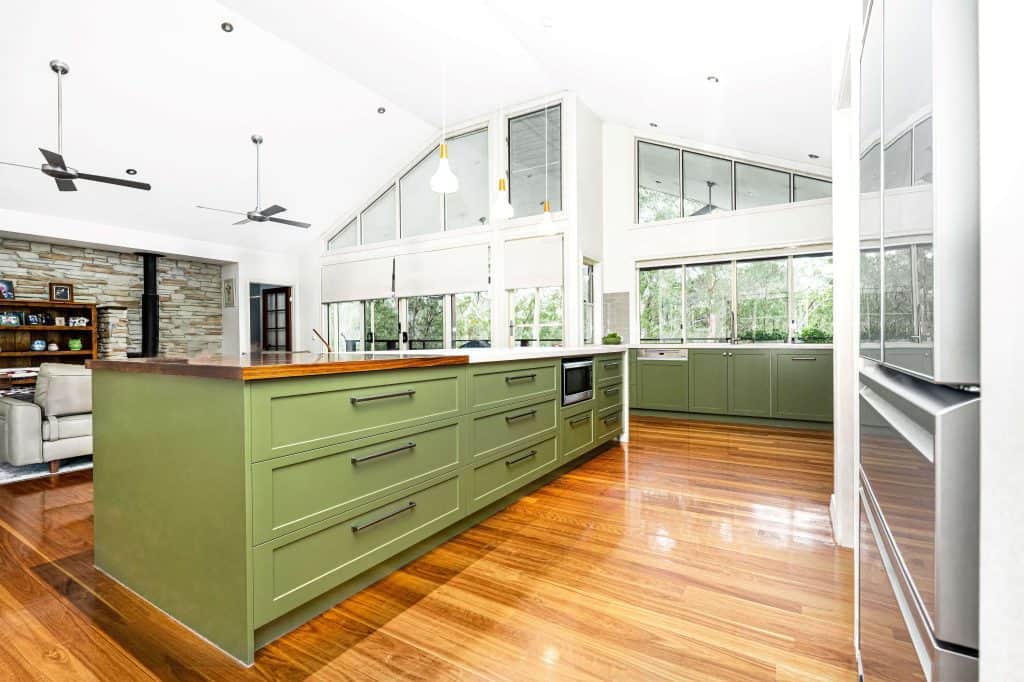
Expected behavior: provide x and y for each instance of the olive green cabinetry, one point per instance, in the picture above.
(803, 385)
(709, 381)
(662, 385)
(243, 509)
(750, 382)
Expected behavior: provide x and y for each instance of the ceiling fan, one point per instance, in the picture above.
(256, 215)
(708, 207)
(54, 165)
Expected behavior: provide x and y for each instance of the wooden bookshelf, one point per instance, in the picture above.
(16, 340)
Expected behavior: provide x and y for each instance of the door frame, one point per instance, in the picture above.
(287, 291)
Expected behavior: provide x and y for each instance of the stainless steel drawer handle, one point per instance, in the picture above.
(521, 458)
(393, 451)
(516, 417)
(611, 391)
(801, 358)
(382, 396)
(609, 365)
(363, 526)
(521, 377)
(579, 420)
(612, 418)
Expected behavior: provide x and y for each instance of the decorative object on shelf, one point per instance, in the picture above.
(6, 289)
(443, 181)
(62, 293)
(11, 318)
(34, 318)
(52, 347)
(78, 321)
(256, 215)
(611, 339)
(38, 345)
(54, 165)
(75, 344)
(59, 322)
(228, 291)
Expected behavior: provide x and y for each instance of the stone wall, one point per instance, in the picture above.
(190, 298)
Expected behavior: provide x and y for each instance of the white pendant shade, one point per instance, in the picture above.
(444, 181)
(545, 220)
(502, 208)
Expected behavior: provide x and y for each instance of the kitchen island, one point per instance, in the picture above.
(244, 496)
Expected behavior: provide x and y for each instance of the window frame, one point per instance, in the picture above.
(453, 318)
(537, 324)
(561, 152)
(588, 286)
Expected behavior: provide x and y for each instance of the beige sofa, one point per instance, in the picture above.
(56, 426)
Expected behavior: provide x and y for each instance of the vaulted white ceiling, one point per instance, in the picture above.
(159, 87)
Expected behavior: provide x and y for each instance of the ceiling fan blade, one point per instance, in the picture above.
(222, 210)
(65, 185)
(53, 158)
(273, 210)
(18, 165)
(293, 223)
(114, 181)
(243, 221)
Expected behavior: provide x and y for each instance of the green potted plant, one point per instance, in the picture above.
(611, 339)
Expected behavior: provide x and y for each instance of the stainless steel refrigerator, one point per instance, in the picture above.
(917, 559)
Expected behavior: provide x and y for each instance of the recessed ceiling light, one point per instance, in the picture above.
(653, 124)
(131, 171)
(813, 156)
(712, 79)
(227, 27)
(381, 110)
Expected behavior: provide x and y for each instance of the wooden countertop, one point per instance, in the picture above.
(276, 365)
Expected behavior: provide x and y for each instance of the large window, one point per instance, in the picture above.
(530, 180)
(899, 295)
(471, 320)
(588, 303)
(536, 316)
(673, 182)
(378, 220)
(380, 323)
(421, 206)
(468, 207)
(346, 236)
(661, 304)
(424, 322)
(709, 302)
(345, 330)
(659, 183)
(898, 160)
(778, 298)
(762, 300)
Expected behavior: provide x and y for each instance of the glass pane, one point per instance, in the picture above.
(467, 155)
(707, 184)
(588, 323)
(871, 170)
(382, 323)
(659, 182)
(758, 186)
(870, 303)
(523, 303)
(420, 206)
(526, 162)
(345, 326)
(923, 152)
(472, 320)
(550, 302)
(805, 188)
(812, 299)
(762, 300)
(897, 162)
(345, 237)
(924, 279)
(379, 219)
(709, 302)
(425, 322)
(281, 323)
(899, 300)
(661, 304)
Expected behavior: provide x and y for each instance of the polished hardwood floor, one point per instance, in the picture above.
(698, 551)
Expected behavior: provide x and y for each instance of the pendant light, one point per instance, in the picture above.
(502, 208)
(444, 181)
(545, 219)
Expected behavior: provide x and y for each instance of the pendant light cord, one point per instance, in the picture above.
(547, 206)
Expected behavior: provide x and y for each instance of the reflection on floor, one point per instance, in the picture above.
(699, 551)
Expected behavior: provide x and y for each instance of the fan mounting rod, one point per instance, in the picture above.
(257, 140)
(61, 69)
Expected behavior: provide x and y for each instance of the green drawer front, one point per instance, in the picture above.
(803, 385)
(607, 396)
(512, 427)
(494, 385)
(296, 490)
(577, 434)
(609, 423)
(504, 475)
(296, 415)
(662, 385)
(291, 570)
(608, 368)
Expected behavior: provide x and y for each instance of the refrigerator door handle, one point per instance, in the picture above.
(915, 434)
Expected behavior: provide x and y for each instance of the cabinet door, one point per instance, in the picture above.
(750, 383)
(709, 381)
(663, 385)
(803, 385)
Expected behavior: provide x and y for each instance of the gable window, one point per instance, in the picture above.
(378, 220)
(469, 206)
(346, 236)
(421, 207)
(526, 160)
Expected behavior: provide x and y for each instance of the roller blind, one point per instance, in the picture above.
(534, 262)
(357, 280)
(448, 271)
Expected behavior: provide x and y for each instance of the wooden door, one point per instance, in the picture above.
(277, 319)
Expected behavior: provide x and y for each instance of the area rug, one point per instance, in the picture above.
(12, 474)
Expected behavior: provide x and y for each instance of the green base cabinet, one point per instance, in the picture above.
(803, 385)
(577, 433)
(750, 383)
(663, 385)
(709, 381)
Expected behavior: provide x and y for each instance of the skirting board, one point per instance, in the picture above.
(730, 419)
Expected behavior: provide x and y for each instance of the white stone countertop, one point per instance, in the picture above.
(478, 355)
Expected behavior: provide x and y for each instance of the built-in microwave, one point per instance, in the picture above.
(577, 380)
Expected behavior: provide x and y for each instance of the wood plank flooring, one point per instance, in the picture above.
(698, 551)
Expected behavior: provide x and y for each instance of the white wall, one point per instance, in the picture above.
(247, 265)
(1002, 372)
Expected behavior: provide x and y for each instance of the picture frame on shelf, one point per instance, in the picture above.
(6, 289)
(11, 318)
(228, 290)
(60, 322)
(61, 292)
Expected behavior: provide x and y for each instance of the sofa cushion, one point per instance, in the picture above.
(64, 389)
(70, 426)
